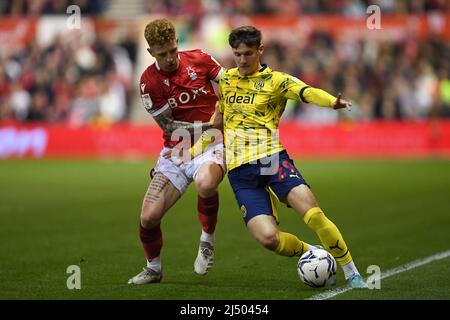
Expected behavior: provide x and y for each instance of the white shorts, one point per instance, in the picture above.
(181, 175)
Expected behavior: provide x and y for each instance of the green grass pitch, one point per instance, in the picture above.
(56, 213)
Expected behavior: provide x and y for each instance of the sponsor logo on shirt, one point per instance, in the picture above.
(187, 96)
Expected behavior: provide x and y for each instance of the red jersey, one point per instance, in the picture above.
(187, 91)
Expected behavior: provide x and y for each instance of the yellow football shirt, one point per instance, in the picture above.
(252, 107)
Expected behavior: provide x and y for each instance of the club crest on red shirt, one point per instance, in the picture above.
(191, 72)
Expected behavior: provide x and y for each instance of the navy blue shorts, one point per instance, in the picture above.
(251, 182)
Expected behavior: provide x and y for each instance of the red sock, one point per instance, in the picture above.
(207, 212)
(151, 240)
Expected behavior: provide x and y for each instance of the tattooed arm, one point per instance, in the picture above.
(169, 125)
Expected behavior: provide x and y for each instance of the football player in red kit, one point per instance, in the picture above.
(177, 91)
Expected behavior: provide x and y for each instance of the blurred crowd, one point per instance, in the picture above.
(77, 81)
(384, 80)
(198, 8)
(409, 79)
(70, 80)
(40, 7)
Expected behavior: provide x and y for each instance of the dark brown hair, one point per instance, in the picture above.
(248, 35)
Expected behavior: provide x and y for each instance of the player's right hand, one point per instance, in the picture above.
(341, 103)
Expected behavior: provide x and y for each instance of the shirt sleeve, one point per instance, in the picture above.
(290, 87)
(318, 97)
(295, 89)
(213, 67)
(152, 100)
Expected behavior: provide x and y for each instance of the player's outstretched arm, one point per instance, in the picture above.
(169, 125)
(324, 99)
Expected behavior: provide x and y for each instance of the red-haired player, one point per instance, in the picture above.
(177, 91)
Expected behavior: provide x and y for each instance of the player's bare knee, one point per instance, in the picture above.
(268, 240)
(149, 219)
(206, 187)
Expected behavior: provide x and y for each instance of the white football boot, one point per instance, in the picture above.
(146, 276)
(205, 258)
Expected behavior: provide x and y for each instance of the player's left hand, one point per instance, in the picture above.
(341, 103)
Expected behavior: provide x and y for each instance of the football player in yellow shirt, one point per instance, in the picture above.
(252, 98)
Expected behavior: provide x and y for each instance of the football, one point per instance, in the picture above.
(317, 268)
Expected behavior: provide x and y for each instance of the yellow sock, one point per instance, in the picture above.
(290, 245)
(329, 235)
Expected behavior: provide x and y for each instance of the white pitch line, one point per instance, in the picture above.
(408, 266)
